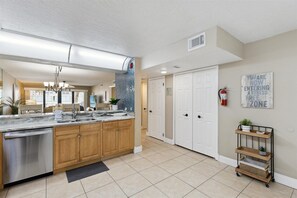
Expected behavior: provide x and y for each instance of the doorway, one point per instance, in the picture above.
(156, 108)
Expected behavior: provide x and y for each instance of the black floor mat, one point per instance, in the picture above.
(86, 171)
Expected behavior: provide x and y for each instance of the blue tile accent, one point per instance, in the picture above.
(125, 89)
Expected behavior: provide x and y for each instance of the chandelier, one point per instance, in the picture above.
(57, 86)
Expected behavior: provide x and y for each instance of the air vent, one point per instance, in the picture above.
(196, 42)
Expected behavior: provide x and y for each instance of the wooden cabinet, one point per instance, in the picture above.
(110, 137)
(76, 144)
(82, 144)
(66, 146)
(117, 137)
(125, 135)
(90, 142)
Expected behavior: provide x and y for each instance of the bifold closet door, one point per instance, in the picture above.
(156, 108)
(183, 110)
(205, 111)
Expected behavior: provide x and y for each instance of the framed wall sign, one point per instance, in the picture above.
(257, 90)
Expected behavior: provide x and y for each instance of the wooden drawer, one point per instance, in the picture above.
(125, 123)
(66, 130)
(110, 125)
(90, 127)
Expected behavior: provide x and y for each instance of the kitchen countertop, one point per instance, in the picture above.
(46, 121)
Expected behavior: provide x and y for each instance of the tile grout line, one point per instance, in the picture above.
(118, 185)
(198, 191)
(182, 154)
(246, 187)
(83, 187)
(227, 185)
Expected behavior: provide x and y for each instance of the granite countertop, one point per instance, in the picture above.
(46, 121)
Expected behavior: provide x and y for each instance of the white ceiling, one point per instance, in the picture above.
(138, 27)
(33, 72)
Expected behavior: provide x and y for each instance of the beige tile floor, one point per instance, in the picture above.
(161, 170)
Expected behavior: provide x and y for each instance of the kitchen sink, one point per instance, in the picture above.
(76, 120)
(84, 119)
(66, 121)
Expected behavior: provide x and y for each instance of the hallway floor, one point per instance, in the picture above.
(160, 170)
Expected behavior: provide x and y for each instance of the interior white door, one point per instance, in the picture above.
(156, 107)
(183, 110)
(205, 86)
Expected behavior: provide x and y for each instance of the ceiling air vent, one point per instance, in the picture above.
(196, 42)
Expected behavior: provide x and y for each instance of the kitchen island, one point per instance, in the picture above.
(86, 139)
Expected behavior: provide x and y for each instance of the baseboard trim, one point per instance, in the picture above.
(137, 149)
(169, 141)
(228, 161)
(280, 178)
(283, 179)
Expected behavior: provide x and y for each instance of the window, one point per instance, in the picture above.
(79, 97)
(51, 98)
(34, 96)
(66, 97)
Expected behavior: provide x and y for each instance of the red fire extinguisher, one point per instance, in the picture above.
(223, 96)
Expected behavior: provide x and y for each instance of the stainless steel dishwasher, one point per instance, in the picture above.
(27, 153)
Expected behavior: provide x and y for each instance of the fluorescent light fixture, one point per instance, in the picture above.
(95, 58)
(13, 44)
(163, 72)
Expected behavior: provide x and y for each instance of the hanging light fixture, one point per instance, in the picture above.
(57, 86)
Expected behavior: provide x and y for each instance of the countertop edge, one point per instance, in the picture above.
(56, 124)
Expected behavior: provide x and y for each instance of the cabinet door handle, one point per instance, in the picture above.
(199, 116)
(151, 111)
(185, 115)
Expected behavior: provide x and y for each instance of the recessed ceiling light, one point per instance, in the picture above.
(164, 72)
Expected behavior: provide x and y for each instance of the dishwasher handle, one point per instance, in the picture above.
(14, 135)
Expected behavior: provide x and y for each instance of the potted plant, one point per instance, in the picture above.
(245, 125)
(262, 151)
(14, 105)
(113, 102)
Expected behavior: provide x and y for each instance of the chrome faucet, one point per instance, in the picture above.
(74, 112)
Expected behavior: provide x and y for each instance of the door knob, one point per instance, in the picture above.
(199, 116)
(186, 115)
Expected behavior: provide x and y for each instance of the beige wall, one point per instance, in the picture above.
(101, 88)
(279, 55)
(8, 81)
(169, 107)
(144, 105)
(137, 99)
